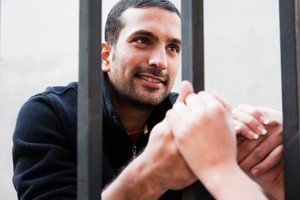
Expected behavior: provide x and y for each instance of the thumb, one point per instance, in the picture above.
(185, 90)
(225, 105)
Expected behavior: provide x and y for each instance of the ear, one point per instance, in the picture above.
(105, 52)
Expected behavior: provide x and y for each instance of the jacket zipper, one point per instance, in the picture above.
(133, 149)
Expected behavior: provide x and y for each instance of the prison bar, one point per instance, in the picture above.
(290, 66)
(192, 43)
(193, 66)
(89, 139)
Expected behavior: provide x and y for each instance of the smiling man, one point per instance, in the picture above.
(140, 60)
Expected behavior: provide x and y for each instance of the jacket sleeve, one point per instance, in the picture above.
(44, 162)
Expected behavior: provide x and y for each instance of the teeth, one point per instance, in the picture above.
(150, 79)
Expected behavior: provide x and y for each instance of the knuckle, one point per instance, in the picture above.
(244, 128)
(181, 138)
(217, 110)
(250, 120)
(255, 113)
(260, 152)
(248, 148)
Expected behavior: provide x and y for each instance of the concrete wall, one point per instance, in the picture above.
(39, 47)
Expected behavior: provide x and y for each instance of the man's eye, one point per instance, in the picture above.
(142, 41)
(174, 48)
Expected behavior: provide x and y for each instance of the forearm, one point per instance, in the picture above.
(231, 183)
(135, 182)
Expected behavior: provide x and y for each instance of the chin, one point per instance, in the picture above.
(152, 99)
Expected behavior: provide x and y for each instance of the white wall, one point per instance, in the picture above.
(242, 50)
(39, 47)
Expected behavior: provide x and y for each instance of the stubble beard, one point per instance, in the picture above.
(129, 94)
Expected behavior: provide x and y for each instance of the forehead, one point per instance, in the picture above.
(160, 22)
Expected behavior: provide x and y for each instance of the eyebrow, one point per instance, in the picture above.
(151, 35)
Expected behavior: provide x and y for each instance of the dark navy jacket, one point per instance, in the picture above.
(44, 151)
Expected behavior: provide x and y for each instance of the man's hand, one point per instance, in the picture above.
(168, 165)
(261, 159)
(245, 125)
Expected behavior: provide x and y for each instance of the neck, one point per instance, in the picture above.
(133, 117)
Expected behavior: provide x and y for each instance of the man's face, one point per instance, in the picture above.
(143, 64)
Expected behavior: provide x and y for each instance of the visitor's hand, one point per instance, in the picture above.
(203, 132)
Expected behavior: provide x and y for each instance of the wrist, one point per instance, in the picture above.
(216, 177)
(136, 181)
(228, 181)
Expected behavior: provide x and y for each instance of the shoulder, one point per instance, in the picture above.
(56, 107)
(57, 98)
(62, 94)
(44, 144)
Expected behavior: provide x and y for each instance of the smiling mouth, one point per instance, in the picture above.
(151, 78)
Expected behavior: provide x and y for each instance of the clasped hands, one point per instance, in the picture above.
(214, 139)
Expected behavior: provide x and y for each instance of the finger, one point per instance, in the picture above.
(249, 121)
(209, 99)
(272, 160)
(272, 115)
(241, 129)
(261, 151)
(255, 112)
(246, 147)
(176, 116)
(225, 105)
(193, 101)
(185, 90)
(159, 129)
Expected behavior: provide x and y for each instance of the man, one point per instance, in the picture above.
(140, 57)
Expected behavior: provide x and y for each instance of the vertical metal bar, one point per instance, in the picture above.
(290, 64)
(193, 43)
(89, 139)
(193, 65)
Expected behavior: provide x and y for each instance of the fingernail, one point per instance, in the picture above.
(265, 120)
(254, 135)
(237, 127)
(255, 172)
(262, 130)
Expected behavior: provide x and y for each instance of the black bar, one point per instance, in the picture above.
(193, 43)
(193, 65)
(89, 139)
(290, 66)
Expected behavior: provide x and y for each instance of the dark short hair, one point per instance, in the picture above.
(114, 25)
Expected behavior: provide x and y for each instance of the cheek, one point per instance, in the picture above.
(133, 59)
(174, 66)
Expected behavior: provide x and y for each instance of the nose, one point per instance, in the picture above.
(158, 59)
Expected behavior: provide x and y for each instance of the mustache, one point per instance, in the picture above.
(153, 71)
